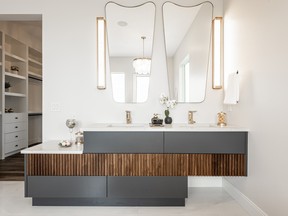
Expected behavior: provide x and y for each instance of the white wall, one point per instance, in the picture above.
(256, 44)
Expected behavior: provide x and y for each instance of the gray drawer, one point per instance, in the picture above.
(66, 186)
(206, 142)
(15, 136)
(14, 146)
(123, 142)
(16, 126)
(147, 187)
(15, 117)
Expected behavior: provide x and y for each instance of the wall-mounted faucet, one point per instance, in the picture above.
(128, 117)
(190, 117)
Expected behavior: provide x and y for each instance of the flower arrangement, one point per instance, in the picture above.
(170, 104)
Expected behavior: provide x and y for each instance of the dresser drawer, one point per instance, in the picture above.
(16, 126)
(15, 136)
(15, 117)
(13, 146)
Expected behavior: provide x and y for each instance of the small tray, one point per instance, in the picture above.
(156, 125)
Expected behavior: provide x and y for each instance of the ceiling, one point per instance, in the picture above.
(125, 41)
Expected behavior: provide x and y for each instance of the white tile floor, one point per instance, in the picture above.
(201, 202)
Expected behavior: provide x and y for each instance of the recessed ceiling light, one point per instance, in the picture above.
(122, 23)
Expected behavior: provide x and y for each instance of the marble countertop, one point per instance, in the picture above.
(52, 147)
(205, 127)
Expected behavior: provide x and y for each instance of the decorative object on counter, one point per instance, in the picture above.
(190, 117)
(79, 138)
(9, 110)
(65, 143)
(14, 69)
(221, 116)
(71, 123)
(128, 117)
(170, 104)
(156, 121)
(7, 86)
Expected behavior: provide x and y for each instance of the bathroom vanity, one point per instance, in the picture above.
(133, 164)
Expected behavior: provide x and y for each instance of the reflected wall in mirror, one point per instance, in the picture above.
(130, 32)
(187, 31)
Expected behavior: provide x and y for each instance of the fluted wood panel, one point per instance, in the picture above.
(136, 165)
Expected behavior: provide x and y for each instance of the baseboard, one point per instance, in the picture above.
(243, 200)
(204, 181)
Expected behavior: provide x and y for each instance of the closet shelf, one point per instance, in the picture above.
(15, 75)
(13, 58)
(12, 94)
(35, 63)
(34, 75)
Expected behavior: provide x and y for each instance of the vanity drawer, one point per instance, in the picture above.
(13, 146)
(15, 136)
(15, 117)
(147, 186)
(123, 142)
(66, 186)
(13, 127)
(206, 142)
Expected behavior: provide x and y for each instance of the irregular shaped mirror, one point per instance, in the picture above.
(187, 32)
(130, 33)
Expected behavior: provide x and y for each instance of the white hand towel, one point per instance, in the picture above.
(232, 91)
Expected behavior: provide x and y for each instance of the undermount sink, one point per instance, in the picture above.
(197, 125)
(125, 125)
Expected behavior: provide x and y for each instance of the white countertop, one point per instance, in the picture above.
(52, 147)
(205, 127)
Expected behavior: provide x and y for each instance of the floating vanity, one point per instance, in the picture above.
(132, 165)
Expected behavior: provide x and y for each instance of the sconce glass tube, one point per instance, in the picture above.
(217, 48)
(101, 52)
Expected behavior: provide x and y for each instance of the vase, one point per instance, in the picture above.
(168, 120)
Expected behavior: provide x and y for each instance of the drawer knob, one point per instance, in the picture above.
(16, 136)
(16, 126)
(16, 117)
(16, 145)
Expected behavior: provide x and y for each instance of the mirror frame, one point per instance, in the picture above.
(210, 46)
(152, 50)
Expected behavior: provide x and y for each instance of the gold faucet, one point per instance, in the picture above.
(190, 117)
(128, 117)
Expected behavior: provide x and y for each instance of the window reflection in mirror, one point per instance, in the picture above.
(126, 28)
(187, 31)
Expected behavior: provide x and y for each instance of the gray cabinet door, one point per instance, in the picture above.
(147, 187)
(123, 142)
(206, 142)
(66, 186)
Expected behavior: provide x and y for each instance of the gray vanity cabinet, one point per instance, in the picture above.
(205, 142)
(123, 142)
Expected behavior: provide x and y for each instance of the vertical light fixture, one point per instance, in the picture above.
(101, 52)
(217, 53)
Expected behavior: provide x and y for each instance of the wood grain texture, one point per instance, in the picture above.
(136, 165)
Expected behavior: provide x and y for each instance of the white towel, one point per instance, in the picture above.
(232, 91)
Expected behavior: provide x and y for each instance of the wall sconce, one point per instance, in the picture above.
(217, 53)
(101, 52)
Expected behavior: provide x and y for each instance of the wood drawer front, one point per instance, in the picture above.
(123, 142)
(15, 117)
(66, 186)
(15, 136)
(16, 126)
(206, 142)
(14, 146)
(147, 187)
